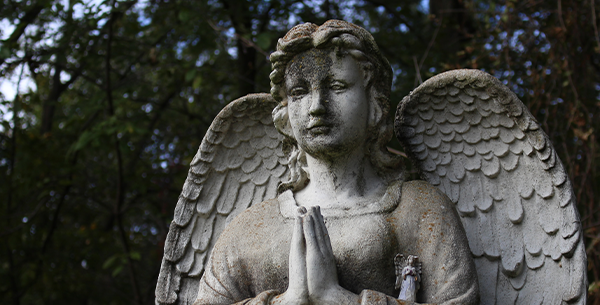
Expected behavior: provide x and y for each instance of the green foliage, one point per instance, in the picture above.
(116, 96)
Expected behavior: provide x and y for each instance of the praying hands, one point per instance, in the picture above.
(312, 270)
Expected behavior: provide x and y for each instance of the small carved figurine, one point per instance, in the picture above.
(408, 276)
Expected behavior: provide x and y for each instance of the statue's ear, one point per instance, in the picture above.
(281, 120)
(375, 114)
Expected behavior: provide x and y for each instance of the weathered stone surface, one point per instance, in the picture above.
(494, 219)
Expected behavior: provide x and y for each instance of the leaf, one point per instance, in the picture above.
(117, 270)
(197, 82)
(263, 40)
(190, 75)
(110, 261)
(583, 135)
(184, 15)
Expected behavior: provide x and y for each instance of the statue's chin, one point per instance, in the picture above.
(328, 147)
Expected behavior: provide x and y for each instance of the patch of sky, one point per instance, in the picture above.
(233, 52)
(515, 43)
(545, 47)
(147, 108)
(349, 13)
(78, 10)
(518, 90)
(523, 17)
(18, 81)
(202, 58)
(508, 73)
(315, 5)
(498, 73)
(396, 72)
(6, 28)
(293, 19)
(423, 6)
(140, 8)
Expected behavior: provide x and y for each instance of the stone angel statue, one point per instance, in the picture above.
(293, 197)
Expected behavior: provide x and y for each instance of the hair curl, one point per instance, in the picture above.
(344, 38)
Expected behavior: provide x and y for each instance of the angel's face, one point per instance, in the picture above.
(327, 102)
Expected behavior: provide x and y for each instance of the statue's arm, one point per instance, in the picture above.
(227, 277)
(235, 273)
(437, 237)
(220, 289)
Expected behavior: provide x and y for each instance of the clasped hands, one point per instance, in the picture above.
(312, 270)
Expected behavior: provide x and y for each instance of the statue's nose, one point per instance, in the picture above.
(317, 103)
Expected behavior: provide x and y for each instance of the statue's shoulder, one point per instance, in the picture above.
(252, 227)
(422, 193)
(419, 198)
(257, 215)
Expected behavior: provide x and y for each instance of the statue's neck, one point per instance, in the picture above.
(342, 182)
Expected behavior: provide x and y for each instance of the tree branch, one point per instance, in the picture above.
(27, 19)
(120, 196)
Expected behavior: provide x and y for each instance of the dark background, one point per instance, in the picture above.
(116, 96)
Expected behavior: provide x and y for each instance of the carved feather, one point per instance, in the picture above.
(239, 163)
(515, 201)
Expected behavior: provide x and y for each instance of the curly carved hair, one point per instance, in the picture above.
(344, 39)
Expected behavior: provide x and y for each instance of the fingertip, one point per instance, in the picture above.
(302, 210)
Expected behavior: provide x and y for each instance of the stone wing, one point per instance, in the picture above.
(239, 163)
(476, 141)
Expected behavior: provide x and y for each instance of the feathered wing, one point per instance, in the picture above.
(239, 163)
(476, 141)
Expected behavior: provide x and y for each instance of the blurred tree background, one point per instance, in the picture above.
(106, 102)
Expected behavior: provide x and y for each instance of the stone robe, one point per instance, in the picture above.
(249, 264)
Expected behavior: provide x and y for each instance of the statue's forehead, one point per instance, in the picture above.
(311, 63)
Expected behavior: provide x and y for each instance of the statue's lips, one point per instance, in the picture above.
(318, 127)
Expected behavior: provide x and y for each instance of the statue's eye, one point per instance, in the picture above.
(337, 85)
(297, 92)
